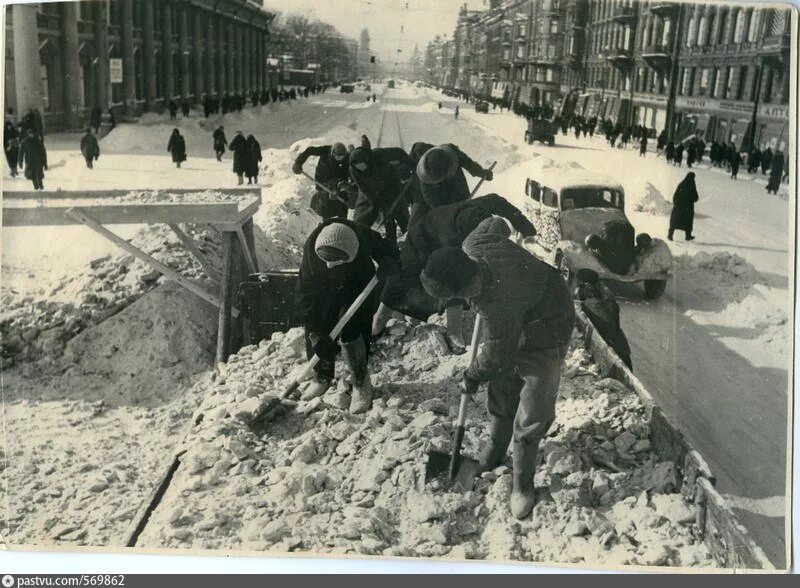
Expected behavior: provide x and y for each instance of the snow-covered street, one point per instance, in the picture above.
(715, 350)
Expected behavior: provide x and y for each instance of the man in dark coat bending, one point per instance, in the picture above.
(441, 173)
(339, 260)
(379, 186)
(332, 170)
(445, 226)
(529, 317)
(600, 306)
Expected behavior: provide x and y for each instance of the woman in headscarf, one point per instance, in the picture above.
(252, 159)
(682, 217)
(239, 147)
(177, 146)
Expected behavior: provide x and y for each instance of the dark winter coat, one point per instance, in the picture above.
(736, 161)
(601, 308)
(177, 146)
(682, 217)
(239, 147)
(321, 291)
(253, 157)
(678, 156)
(445, 226)
(33, 155)
(524, 302)
(378, 187)
(766, 160)
(691, 154)
(90, 147)
(776, 172)
(454, 189)
(220, 141)
(96, 117)
(327, 167)
(11, 144)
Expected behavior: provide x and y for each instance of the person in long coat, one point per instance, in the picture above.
(775, 172)
(177, 147)
(766, 160)
(691, 154)
(239, 147)
(753, 160)
(643, 146)
(220, 142)
(682, 217)
(11, 146)
(252, 159)
(678, 157)
(96, 118)
(33, 155)
(736, 161)
(90, 148)
(670, 152)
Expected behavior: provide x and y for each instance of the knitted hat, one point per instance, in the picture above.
(339, 236)
(338, 149)
(361, 155)
(447, 272)
(437, 165)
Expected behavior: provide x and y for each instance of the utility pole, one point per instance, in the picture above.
(632, 73)
(673, 76)
(750, 139)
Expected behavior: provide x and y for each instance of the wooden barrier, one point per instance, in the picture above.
(727, 539)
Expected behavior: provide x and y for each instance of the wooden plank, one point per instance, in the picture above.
(92, 223)
(103, 194)
(190, 244)
(246, 252)
(112, 214)
(726, 538)
(248, 211)
(226, 287)
(247, 229)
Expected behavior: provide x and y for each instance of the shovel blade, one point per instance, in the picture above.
(438, 469)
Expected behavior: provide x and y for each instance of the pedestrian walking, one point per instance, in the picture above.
(682, 217)
(185, 109)
(219, 142)
(753, 160)
(456, 112)
(766, 160)
(96, 119)
(339, 259)
(11, 146)
(173, 110)
(736, 161)
(177, 147)
(643, 145)
(90, 148)
(239, 147)
(678, 157)
(33, 156)
(252, 159)
(775, 172)
(528, 317)
(691, 151)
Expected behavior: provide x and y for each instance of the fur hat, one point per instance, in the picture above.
(447, 272)
(437, 165)
(339, 236)
(338, 149)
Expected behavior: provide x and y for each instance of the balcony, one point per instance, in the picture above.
(542, 60)
(663, 8)
(621, 58)
(775, 49)
(657, 56)
(623, 16)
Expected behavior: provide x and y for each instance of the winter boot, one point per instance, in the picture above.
(523, 497)
(494, 454)
(689, 237)
(241, 179)
(356, 354)
(317, 388)
(380, 319)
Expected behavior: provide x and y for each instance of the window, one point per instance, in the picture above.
(549, 198)
(506, 54)
(665, 33)
(520, 51)
(551, 50)
(591, 198)
(704, 75)
(534, 190)
(553, 27)
(549, 75)
(686, 82)
(692, 32)
(740, 83)
(86, 11)
(719, 84)
(767, 84)
(713, 82)
(702, 33)
(729, 92)
(723, 24)
(755, 21)
(45, 75)
(738, 35)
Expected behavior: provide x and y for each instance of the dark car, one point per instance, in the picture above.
(482, 106)
(346, 89)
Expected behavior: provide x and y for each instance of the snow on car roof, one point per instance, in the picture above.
(559, 179)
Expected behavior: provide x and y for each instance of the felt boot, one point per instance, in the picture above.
(356, 354)
(495, 451)
(523, 497)
(380, 319)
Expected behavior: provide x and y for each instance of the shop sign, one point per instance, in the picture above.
(115, 70)
(774, 110)
(727, 106)
(650, 99)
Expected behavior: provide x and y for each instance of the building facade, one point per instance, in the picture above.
(715, 70)
(65, 58)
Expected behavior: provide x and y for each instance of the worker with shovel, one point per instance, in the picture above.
(529, 316)
(339, 260)
(332, 168)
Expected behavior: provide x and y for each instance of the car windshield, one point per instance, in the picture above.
(591, 198)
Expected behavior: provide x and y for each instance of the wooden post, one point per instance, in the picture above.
(226, 293)
(189, 243)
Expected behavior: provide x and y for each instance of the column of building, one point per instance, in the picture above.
(210, 66)
(72, 65)
(101, 46)
(149, 49)
(166, 51)
(128, 72)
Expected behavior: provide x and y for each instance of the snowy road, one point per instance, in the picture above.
(714, 350)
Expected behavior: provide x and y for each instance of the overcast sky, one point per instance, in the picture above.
(421, 20)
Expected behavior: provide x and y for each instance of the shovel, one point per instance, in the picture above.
(337, 330)
(325, 188)
(454, 470)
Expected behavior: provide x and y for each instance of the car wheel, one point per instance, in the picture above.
(565, 271)
(654, 289)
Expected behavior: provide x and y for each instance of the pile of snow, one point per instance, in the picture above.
(317, 479)
(650, 201)
(724, 276)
